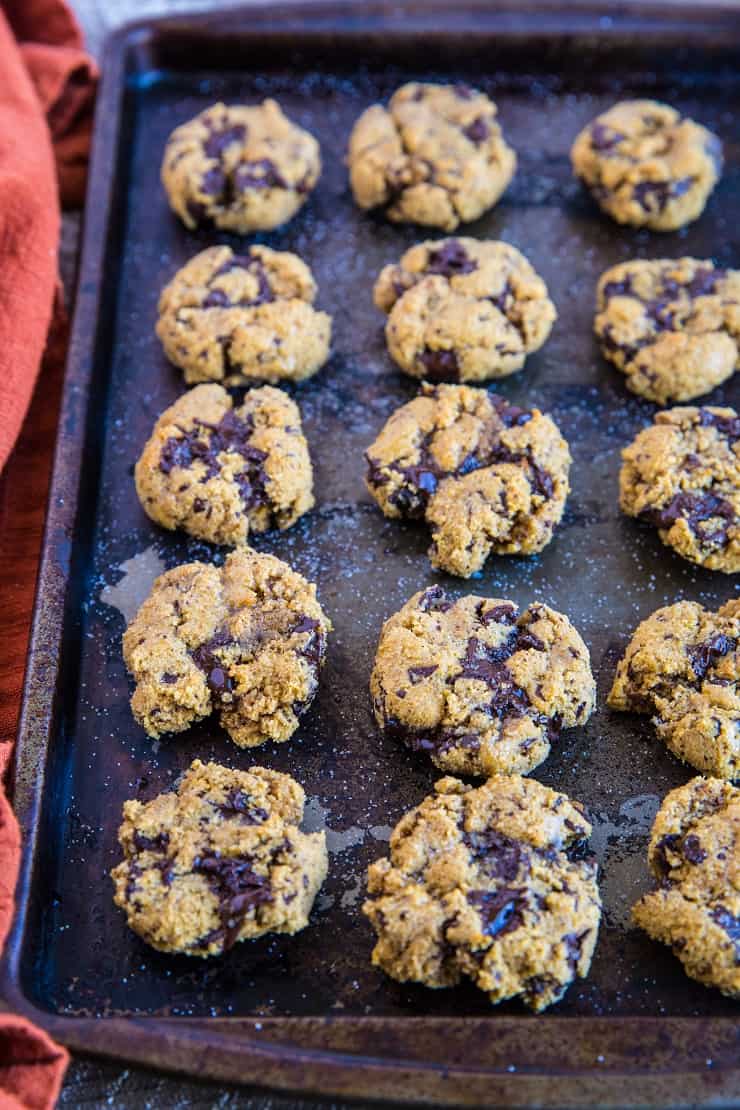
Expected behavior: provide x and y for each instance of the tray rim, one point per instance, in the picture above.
(323, 1056)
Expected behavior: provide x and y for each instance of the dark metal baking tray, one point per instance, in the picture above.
(310, 1012)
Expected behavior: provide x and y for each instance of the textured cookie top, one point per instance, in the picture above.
(646, 165)
(240, 168)
(238, 318)
(682, 474)
(434, 156)
(246, 639)
(463, 309)
(694, 855)
(672, 326)
(218, 471)
(487, 476)
(218, 860)
(489, 883)
(478, 685)
(683, 666)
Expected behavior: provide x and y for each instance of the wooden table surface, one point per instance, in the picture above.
(23, 490)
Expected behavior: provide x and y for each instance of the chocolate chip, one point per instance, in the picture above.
(621, 288)
(654, 195)
(434, 600)
(501, 910)
(692, 849)
(262, 174)
(205, 658)
(169, 679)
(450, 259)
(477, 131)
(417, 674)
(216, 298)
(158, 843)
(704, 655)
(440, 366)
(238, 888)
(605, 138)
(199, 505)
(219, 139)
(669, 843)
(237, 803)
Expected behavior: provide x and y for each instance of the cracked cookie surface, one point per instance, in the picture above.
(694, 855)
(487, 476)
(219, 472)
(647, 166)
(241, 168)
(247, 639)
(682, 475)
(435, 156)
(671, 326)
(218, 860)
(682, 666)
(477, 685)
(463, 310)
(489, 884)
(241, 318)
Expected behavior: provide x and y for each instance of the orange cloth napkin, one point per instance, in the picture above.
(47, 90)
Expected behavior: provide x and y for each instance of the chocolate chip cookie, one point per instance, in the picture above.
(219, 860)
(487, 476)
(476, 684)
(671, 326)
(246, 639)
(241, 318)
(647, 166)
(219, 472)
(493, 884)
(682, 475)
(240, 168)
(435, 156)
(463, 310)
(682, 666)
(694, 855)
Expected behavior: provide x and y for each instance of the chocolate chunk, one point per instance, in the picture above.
(220, 138)
(158, 843)
(205, 658)
(703, 655)
(254, 266)
(661, 314)
(416, 674)
(692, 849)
(450, 259)
(510, 415)
(498, 855)
(704, 281)
(213, 183)
(305, 624)
(621, 288)
(238, 804)
(487, 664)
(695, 509)
(669, 843)
(216, 298)
(731, 925)
(605, 138)
(527, 640)
(501, 910)
(262, 174)
(477, 131)
(169, 679)
(501, 614)
(238, 888)
(440, 366)
(573, 945)
(726, 425)
(654, 195)
(434, 600)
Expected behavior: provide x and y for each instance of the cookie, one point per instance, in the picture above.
(477, 685)
(491, 884)
(246, 639)
(487, 476)
(435, 156)
(241, 318)
(219, 472)
(682, 666)
(219, 860)
(462, 310)
(694, 855)
(647, 166)
(671, 326)
(682, 475)
(239, 168)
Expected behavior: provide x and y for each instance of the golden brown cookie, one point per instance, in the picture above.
(219, 860)
(647, 166)
(682, 475)
(435, 156)
(683, 667)
(239, 168)
(671, 326)
(247, 639)
(477, 685)
(219, 472)
(492, 884)
(694, 854)
(463, 310)
(241, 318)
(487, 476)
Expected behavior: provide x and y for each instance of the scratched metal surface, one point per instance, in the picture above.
(605, 572)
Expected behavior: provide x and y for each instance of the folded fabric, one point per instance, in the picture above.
(46, 99)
